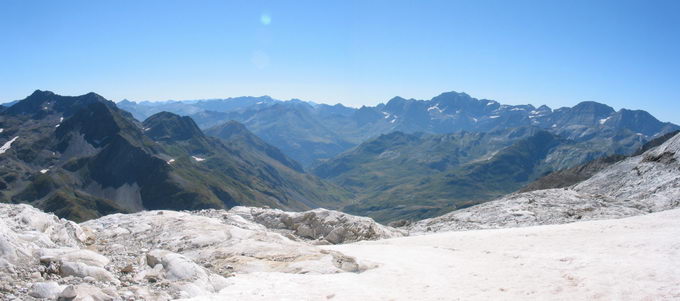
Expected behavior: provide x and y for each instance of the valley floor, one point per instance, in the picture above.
(636, 258)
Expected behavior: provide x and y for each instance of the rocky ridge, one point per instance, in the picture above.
(162, 255)
(646, 183)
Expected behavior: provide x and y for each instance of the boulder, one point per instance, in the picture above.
(47, 290)
(78, 269)
(320, 224)
(73, 255)
(86, 292)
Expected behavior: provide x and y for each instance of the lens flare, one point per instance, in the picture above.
(265, 19)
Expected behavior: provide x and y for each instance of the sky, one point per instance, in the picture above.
(622, 53)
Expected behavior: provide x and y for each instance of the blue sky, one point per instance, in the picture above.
(623, 53)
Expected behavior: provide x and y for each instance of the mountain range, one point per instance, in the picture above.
(82, 157)
(85, 156)
(310, 133)
(416, 159)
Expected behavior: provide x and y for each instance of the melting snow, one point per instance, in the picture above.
(387, 115)
(7, 145)
(198, 159)
(44, 171)
(172, 160)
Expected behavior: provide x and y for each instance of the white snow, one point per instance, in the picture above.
(393, 120)
(44, 171)
(198, 159)
(491, 103)
(554, 125)
(626, 259)
(603, 121)
(387, 115)
(7, 145)
(435, 107)
(494, 116)
(475, 119)
(170, 161)
(518, 109)
(2, 130)
(61, 119)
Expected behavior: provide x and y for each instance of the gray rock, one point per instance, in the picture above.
(48, 290)
(333, 226)
(82, 270)
(86, 292)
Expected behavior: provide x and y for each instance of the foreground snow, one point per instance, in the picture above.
(633, 258)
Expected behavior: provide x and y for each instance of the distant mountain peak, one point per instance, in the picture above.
(39, 93)
(41, 103)
(168, 126)
(593, 106)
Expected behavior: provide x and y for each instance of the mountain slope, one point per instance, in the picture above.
(82, 157)
(578, 174)
(418, 175)
(641, 184)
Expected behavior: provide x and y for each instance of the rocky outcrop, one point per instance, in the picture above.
(322, 225)
(158, 255)
(649, 182)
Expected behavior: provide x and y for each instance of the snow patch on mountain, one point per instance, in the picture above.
(604, 120)
(435, 107)
(7, 145)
